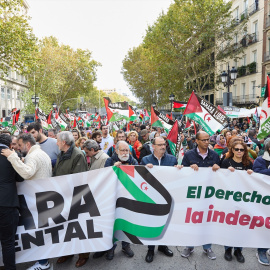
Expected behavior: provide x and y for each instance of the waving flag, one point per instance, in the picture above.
(179, 105)
(264, 130)
(256, 116)
(116, 111)
(132, 114)
(205, 114)
(141, 198)
(160, 120)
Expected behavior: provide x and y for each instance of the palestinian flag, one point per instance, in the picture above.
(205, 114)
(174, 140)
(141, 198)
(169, 116)
(146, 115)
(264, 130)
(116, 111)
(179, 105)
(256, 116)
(15, 116)
(42, 117)
(160, 120)
(132, 114)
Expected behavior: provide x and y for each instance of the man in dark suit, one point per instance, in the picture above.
(9, 204)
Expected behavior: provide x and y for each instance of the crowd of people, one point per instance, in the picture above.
(37, 153)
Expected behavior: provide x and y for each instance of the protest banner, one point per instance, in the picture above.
(86, 212)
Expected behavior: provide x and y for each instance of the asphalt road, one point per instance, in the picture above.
(197, 261)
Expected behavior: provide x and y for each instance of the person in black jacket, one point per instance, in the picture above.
(9, 204)
(201, 156)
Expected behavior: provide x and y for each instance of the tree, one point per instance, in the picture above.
(61, 74)
(17, 41)
(183, 47)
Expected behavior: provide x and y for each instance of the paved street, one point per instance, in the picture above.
(197, 261)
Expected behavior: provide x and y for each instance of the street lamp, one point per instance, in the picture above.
(154, 105)
(95, 109)
(35, 100)
(171, 99)
(228, 77)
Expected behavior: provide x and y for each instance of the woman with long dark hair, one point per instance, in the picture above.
(237, 159)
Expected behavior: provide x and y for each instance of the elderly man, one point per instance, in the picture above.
(52, 133)
(98, 157)
(36, 165)
(70, 160)
(9, 204)
(121, 156)
(121, 136)
(159, 158)
(201, 156)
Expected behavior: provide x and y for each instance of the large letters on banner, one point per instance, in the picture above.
(86, 212)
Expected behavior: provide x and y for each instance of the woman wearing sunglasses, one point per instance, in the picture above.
(237, 159)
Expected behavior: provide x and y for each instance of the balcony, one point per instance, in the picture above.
(247, 70)
(245, 99)
(253, 38)
(253, 8)
(243, 15)
(266, 56)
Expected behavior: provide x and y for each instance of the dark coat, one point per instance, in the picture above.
(166, 160)
(72, 161)
(110, 161)
(260, 166)
(192, 157)
(8, 178)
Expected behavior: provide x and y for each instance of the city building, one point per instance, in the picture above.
(12, 87)
(247, 88)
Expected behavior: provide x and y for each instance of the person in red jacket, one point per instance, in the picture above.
(134, 142)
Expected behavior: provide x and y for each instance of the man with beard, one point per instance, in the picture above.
(121, 156)
(96, 136)
(47, 144)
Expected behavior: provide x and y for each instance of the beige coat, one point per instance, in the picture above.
(98, 161)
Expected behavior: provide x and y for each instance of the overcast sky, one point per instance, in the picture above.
(108, 28)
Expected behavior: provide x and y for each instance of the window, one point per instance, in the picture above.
(8, 94)
(243, 91)
(244, 60)
(234, 90)
(253, 88)
(254, 56)
(245, 5)
(236, 13)
(3, 93)
(3, 113)
(18, 95)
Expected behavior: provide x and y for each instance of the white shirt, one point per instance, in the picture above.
(106, 143)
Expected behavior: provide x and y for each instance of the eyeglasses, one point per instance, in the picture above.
(204, 140)
(161, 144)
(124, 150)
(239, 149)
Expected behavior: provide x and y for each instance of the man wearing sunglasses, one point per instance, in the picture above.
(201, 156)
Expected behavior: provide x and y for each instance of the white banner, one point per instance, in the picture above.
(78, 213)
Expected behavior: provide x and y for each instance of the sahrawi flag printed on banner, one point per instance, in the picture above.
(141, 199)
(205, 114)
(160, 120)
(264, 130)
(116, 111)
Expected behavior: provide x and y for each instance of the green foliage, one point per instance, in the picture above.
(61, 73)
(181, 47)
(17, 42)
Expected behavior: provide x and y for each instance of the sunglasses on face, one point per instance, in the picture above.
(239, 149)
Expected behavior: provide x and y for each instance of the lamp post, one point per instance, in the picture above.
(154, 105)
(95, 109)
(35, 100)
(228, 79)
(171, 99)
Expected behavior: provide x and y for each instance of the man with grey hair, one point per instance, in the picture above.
(121, 156)
(70, 160)
(52, 133)
(98, 157)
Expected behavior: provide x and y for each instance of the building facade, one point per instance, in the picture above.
(13, 87)
(247, 88)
